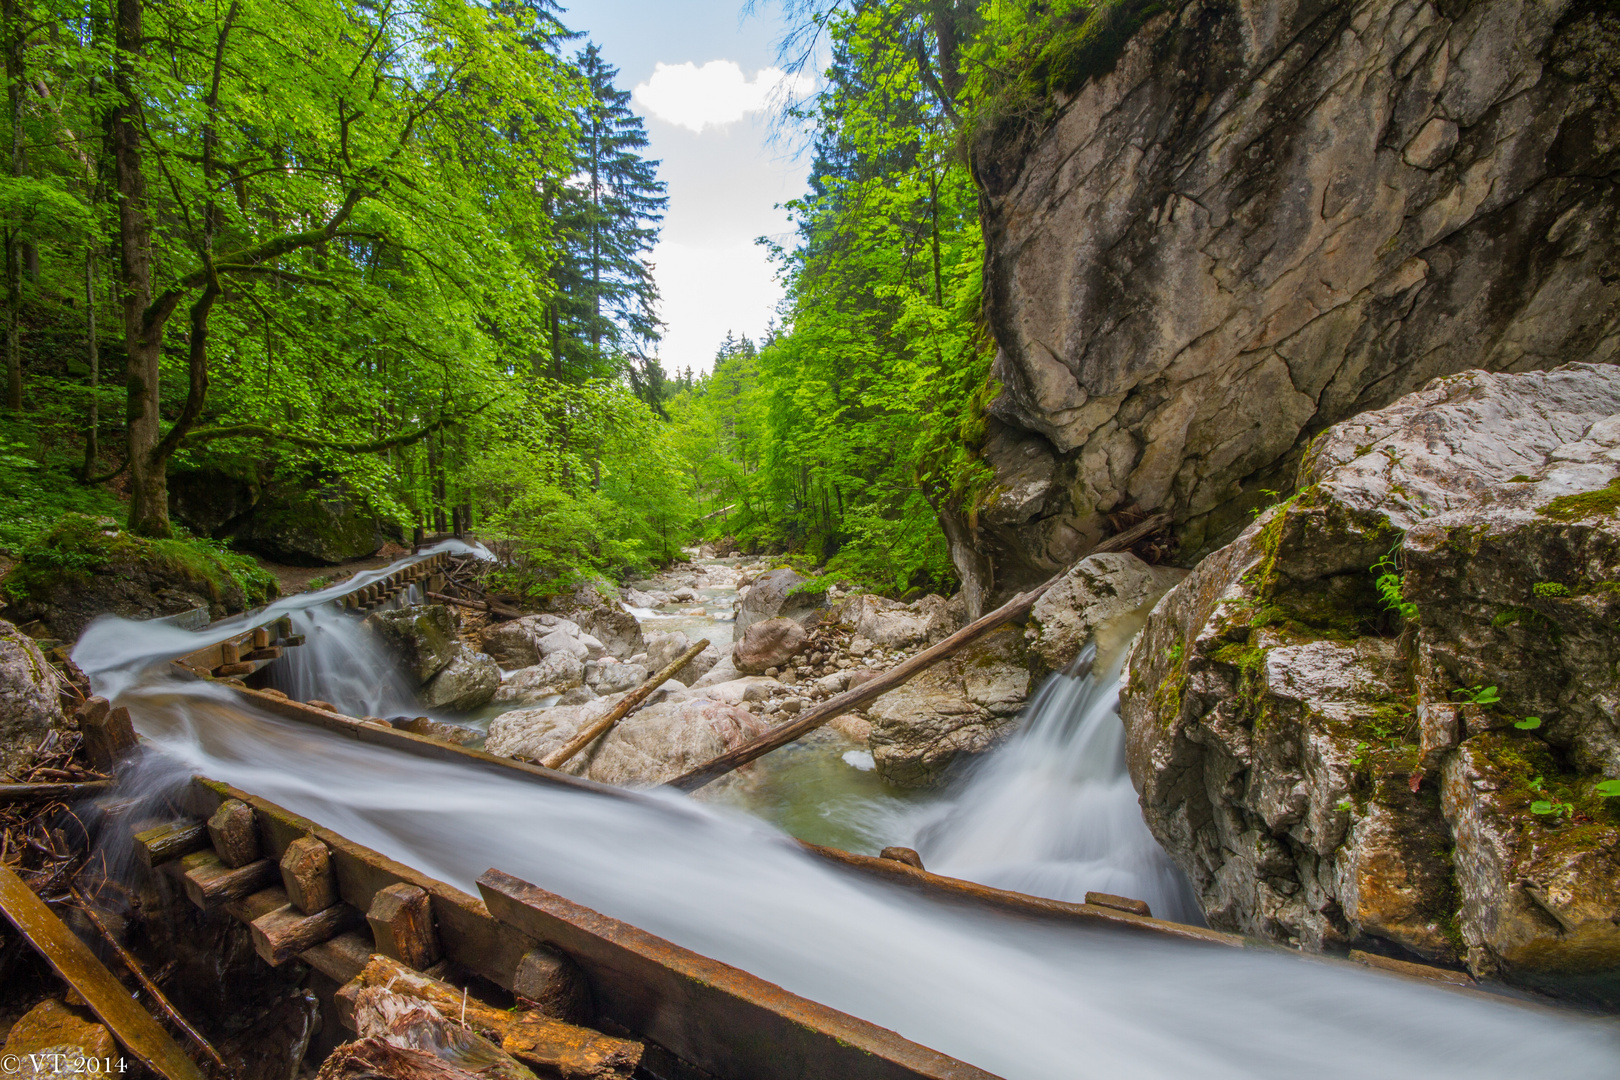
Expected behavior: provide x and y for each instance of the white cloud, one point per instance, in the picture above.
(707, 292)
(715, 94)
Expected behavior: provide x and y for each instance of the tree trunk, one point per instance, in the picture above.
(92, 448)
(12, 20)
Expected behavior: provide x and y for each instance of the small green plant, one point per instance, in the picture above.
(1343, 805)
(317, 583)
(1529, 723)
(1608, 789)
(1478, 695)
(1175, 652)
(1388, 582)
(1360, 758)
(1549, 589)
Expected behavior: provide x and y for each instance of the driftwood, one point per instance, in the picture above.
(15, 793)
(402, 1038)
(478, 605)
(558, 758)
(131, 1025)
(575, 1053)
(900, 673)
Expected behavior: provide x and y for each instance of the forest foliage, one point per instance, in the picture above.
(403, 247)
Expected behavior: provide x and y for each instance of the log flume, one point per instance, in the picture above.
(955, 971)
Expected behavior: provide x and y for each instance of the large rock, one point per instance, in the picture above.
(895, 625)
(767, 644)
(469, 680)
(88, 566)
(1097, 590)
(646, 748)
(1265, 218)
(664, 648)
(516, 644)
(50, 1029)
(556, 674)
(29, 702)
(1314, 757)
(211, 501)
(959, 708)
(768, 597)
(422, 638)
(305, 524)
(617, 629)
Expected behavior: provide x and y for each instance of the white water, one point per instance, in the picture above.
(1020, 998)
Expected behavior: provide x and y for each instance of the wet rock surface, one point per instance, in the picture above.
(29, 701)
(422, 639)
(1334, 771)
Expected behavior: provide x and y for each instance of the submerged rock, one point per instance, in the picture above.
(1333, 770)
(29, 702)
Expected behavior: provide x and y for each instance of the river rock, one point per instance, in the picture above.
(556, 674)
(1096, 590)
(29, 701)
(469, 680)
(614, 678)
(768, 597)
(767, 644)
(749, 688)
(952, 711)
(637, 598)
(311, 525)
(1313, 758)
(722, 671)
(422, 638)
(664, 648)
(1260, 220)
(51, 1028)
(615, 629)
(570, 642)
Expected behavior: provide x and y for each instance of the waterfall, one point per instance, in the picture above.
(1053, 812)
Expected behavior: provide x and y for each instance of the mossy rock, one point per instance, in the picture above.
(88, 566)
(311, 524)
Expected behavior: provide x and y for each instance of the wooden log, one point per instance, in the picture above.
(15, 793)
(160, 843)
(284, 627)
(230, 652)
(231, 671)
(478, 605)
(108, 732)
(282, 934)
(269, 652)
(210, 883)
(573, 1052)
(234, 832)
(261, 637)
(306, 874)
(402, 923)
(292, 641)
(70, 958)
(1120, 903)
(403, 1038)
(341, 958)
(870, 691)
(552, 983)
(905, 855)
(558, 758)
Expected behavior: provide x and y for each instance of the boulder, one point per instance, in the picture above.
(515, 644)
(952, 711)
(304, 524)
(749, 688)
(573, 643)
(637, 598)
(722, 671)
(1379, 717)
(886, 622)
(49, 1029)
(662, 649)
(468, 681)
(1096, 590)
(767, 644)
(648, 747)
(617, 631)
(211, 501)
(422, 638)
(29, 701)
(614, 678)
(1255, 221)
(556, 674)
(768, 598)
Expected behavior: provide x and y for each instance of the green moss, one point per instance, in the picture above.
(1604, 501)
(1527, 771)
(1531, 620)
(1167, 697)
(1549, 589)
(1520, 479)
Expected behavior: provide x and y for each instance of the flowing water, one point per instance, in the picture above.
(1021, 998)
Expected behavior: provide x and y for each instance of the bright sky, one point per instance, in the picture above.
(702, 76)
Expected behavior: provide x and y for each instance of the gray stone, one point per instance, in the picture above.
(29, 702)
(423, 639)
(556, 674)
(768, 598)
(767, 644)
(468, 681)
(1098, 589)
(305, 524)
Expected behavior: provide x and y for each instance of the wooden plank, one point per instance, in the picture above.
(160, 843)
(718, 1017)
(133, 1027)
(210, 883)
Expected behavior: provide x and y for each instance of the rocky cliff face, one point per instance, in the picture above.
(1385, 716)
(1270, 216)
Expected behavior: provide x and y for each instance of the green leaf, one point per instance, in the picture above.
(1529, 723)
(1541, 806)
(1608, 789)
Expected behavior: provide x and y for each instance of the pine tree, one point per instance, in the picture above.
(603, 322)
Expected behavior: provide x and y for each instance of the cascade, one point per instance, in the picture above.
(1020, 998)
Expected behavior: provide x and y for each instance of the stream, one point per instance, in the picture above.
(1020, 998)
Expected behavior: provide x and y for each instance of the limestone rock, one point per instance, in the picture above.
(767, 644)
(422, 638)
(29, 705)
(768, 598)
(516, 644)
(663, 649)
(1263, 220)
(1096, 590)
(469, 680)
(49, 1029)
(556, 674)
(615, 628)
(954, 710)
(1308, 753)
(615, 678)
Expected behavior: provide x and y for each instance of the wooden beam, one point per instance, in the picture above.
(282, 934)
(306, 874)
(234, 833)
(133, 1027)
(896, 676)
(401, 919)
(210, 883)
(160, 843)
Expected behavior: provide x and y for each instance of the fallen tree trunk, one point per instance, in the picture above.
(900, 673)
(478, 605)
(575, 1053)
(14, 793)
(558, 758)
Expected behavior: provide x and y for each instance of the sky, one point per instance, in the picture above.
(702, 75)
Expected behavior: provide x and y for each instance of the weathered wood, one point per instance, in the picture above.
(70, 958)
(574, 1052)
(160, 843)
(554, 985)
(1119, 903)
(401, 921)
(341, 958)
(306, 874)
(231, 671)
(230, 652)
(282, 934)
(1426, 972)
(108, 732)
(899, 674)
(269, 652)
(15, 793)
(905, 855)
(715, 1016)
(403, 1038)
(210, 883)
(589, 734)
(234, 833)
(261, 637)
(478, 605)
